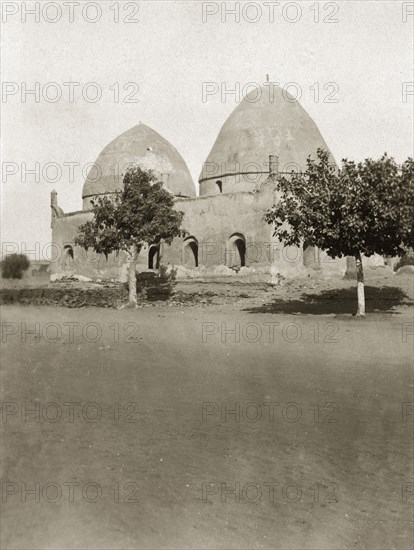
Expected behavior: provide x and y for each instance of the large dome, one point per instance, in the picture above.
(138, 146)
(268, 121)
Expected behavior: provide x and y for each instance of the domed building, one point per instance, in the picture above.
(269, 121)
(269, 133)
(138, 146)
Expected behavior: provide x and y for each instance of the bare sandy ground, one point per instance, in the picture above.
(317, 453)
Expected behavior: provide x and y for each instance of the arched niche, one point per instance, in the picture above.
(236, 251)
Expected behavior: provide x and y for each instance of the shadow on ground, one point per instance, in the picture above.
(340, 301)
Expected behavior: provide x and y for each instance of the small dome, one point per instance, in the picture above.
(141, 146)
(268, 121)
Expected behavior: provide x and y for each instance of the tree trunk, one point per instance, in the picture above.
(132, 278)
(360, 286)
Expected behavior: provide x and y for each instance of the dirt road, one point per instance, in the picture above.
(292, 431)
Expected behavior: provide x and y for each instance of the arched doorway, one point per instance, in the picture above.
(190, 256)
(219, 186)
(154, 257)
(68, 256)
(236, 251)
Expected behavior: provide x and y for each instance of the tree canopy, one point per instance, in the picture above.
(362, 208)
(365, 208)
(13, 266)
(142, 213)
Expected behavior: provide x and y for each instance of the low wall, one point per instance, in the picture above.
(66, 297)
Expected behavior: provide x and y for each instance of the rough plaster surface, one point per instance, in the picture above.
(272, 123)
(142, 146)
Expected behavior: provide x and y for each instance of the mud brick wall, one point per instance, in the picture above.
(67, 297)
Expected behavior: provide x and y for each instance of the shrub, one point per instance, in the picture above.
(12, 266)
(407, 259)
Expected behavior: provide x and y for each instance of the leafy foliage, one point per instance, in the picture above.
(142, 213)
(407, 259)
(363, 208)
(12, 266)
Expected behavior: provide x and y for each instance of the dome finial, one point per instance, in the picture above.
(267, 78)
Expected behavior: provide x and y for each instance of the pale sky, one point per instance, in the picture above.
(168, 54)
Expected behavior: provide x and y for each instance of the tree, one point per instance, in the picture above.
(141, 213)
(363, 208)
(13, 265)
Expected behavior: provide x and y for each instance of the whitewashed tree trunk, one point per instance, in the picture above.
(132, 279)
(360, 286)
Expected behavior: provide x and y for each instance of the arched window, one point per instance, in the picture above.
(220, 186)
(190, 252)
(154, 257)
(236, 251)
